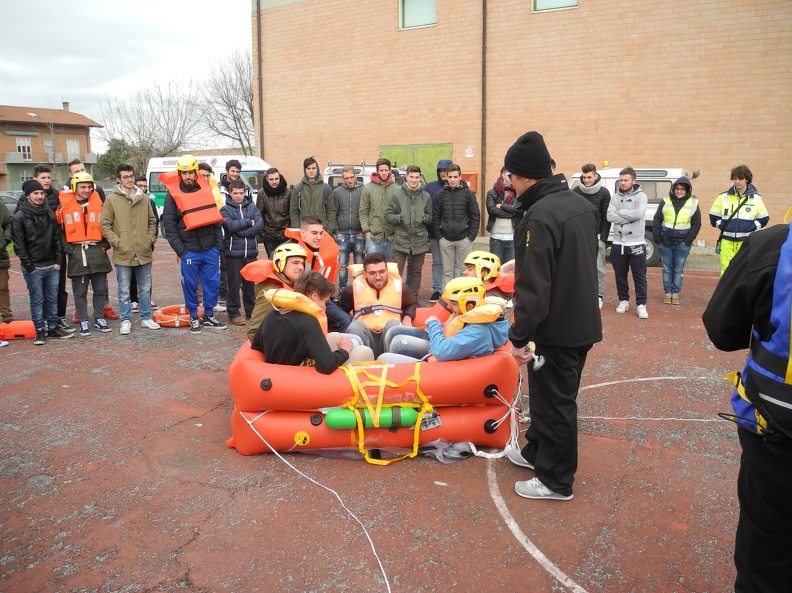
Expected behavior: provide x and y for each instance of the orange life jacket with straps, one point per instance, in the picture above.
(373, 309)
(261, 270)
(197, 208)
(325, 261)
(503, 283)
(296, 301)
(81, 224)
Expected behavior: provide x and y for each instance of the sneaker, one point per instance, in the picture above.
(675, 299)
(85, 328)
(60, 334)
(126, 327)
(213, 322)
(534, 488)
(154, 306)
(515, 456)
(600, 302)
(65, 327)
(3, 343)
(642, 312)
(40, 337)
(109, 313)
(667, 298)
(220, 309)
(75, 319)
(102, 326)
(435, 297)
(135, 307)
(195, 325)
(622, 306)
(150, 324)
(238, 320)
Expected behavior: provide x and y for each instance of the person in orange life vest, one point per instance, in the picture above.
(322, 253)
(287, 264)
(243, 223)
(378, 300)
(86, 249)
(479, 335)
(128, 225)
(194, 229)
(293, 337)
(486, 266)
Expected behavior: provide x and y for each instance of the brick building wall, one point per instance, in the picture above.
(703, 86)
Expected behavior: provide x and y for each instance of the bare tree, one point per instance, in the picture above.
(156, 120)
(227, 97)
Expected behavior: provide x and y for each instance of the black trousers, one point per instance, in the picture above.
(63, 296)
(763, 544)
(552, 436)
(632, 258)
(236, 283)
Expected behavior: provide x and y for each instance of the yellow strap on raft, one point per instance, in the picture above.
(359, 389)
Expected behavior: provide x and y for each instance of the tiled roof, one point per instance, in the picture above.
(11, 113)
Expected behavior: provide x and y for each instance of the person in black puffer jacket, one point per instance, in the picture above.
(591, 188)
(273, 203)
(243, 223)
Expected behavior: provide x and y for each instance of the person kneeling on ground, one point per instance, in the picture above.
(477, 327)
(296, 334)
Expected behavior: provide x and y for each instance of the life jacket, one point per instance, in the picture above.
(296, 301)
(372, 309)
(325, 261)
(424, 313)
(762, 399)
(261, 270)
(503, 282)
(198, 208)
(81, 224)
(218, 195)
(491, 310)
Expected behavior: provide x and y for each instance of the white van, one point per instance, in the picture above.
(333, 174)
(254, 170)
(655, 183)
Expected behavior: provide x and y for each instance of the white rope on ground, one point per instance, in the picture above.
(340, 500)
(524, 540)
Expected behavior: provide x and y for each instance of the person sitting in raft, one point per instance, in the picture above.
(287, 264)
(296, 333)
(377, 299)
(477, 327)
(487, 267)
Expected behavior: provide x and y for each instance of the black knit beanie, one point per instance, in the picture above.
(308, 161)
(528, 157)
(30, 186)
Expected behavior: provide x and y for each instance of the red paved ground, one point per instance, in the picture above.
(116, 476)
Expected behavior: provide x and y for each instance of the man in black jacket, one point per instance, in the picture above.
(455, 219)
(591, 188)
(555, 307)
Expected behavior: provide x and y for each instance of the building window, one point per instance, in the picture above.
(417, 13)
(23, 146)
(49, 148)
(539, 5)
(72, 149)
(25, 176)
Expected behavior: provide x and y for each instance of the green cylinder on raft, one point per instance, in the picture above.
(394, 417)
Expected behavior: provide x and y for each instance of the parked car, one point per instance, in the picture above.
(10, 199)
(333, 174)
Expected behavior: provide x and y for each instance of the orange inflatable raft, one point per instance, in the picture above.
(304, 431)
(174, 316)
(256, 385)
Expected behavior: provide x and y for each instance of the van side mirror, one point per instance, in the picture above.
(696, 174)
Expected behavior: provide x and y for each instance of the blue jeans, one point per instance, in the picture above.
(349, 243)
(382, 246)
(673, 259)
(42, 287)
(143, 279)
(503, 249)
(437, 266)
(206, 266)
(408, 341)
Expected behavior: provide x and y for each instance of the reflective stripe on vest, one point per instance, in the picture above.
(80, 224)
(372, 309)
(679, 220)
(766, 389)
(198, 208)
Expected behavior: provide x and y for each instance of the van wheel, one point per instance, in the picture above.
(652, 254)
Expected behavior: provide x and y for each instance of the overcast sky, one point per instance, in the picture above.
(57, 50)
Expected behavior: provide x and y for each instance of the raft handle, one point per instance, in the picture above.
(490, 390)
(266, 384)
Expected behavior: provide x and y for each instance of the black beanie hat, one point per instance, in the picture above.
(528, 157)
(308, 161)
(30, 186)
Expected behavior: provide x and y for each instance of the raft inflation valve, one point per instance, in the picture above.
(316, 419)
(266, 384)
(491, 390)
(490, 426)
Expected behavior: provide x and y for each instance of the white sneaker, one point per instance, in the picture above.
(534, 488)
(623, 306)
(150, 324)
(515, 456)
(134, 306)
(600, 302)
(126, 327)
(219, 309)
(642, 312)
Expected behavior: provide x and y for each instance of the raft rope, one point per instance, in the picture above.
(310, 479)
(512, 413)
